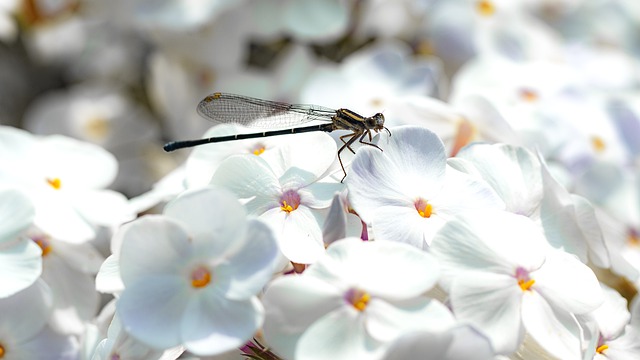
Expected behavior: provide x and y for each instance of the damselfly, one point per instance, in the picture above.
(222, 108)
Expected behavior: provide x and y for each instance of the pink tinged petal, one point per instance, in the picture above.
(153, 245)
(16, 214)
(78, 164)
(108, 279)
(358, 263)
(568, 284)
(298, 234)
(253, 265)
(25, 313)
(216, 221)
(493, 241)
(513, 172)
(492, 303)
(212, 325)
(338, 335)
(247, 176)
(152, 309)
(404, 224)
(556, 330)
(387, 321)
(292, 303)
(412, 165)
(20, 265)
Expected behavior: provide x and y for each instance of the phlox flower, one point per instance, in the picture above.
(191, 275)
(65, 180)
(348, 306)
(20, 260)
(286, 193)
(615, 338)
(407, 192)
(23, 330)
(503, 278)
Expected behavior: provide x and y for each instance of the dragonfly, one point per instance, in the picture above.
(224, 108)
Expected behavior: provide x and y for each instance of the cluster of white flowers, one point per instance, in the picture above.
(497, 218)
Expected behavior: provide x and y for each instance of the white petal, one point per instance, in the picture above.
(298, 234)
(612, 315)
(555, 330)
(108, 279)
(152, 310)
(247, 176)
(319, 194)
(212, 325)
(404, 224)
(253, 265)
(513, 172)
(26, 312)
(567, 283)
(56, 217)
(387, 321)
(20, 266)
(335, 227)
(588, 223)
(358, 264)
(104, 207)
(490, 302)
(152, 245)
(496, 241)
(337, 335)
(292, 303)
(461, 193)
(16, 214)
(49, 344)
(216, 221)
(626, 346)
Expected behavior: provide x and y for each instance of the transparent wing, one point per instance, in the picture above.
(225, 108)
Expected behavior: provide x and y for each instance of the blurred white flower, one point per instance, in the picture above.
(103, 115)
(504, 279)
(23, 330)
(408, 192)
(347, 306)
(20, 260)
(65, 180)
(284, 190)
(191, 275)
(8, 26)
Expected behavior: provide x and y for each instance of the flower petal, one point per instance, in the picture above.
(247, 176)
(16, 214)
(298, 234)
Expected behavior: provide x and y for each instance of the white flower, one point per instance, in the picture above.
(407, 192)
(348, 306)
(191, 275)
(23, 330)
(503, 278)
(20, 260)
(65, 180)
(285, 192)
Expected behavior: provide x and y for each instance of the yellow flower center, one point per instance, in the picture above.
(97, 128)
(2, 352)
(200, 277)
(43, 242)
(526, 285)
(602, 348)
(358, 299)
(55, 183)
(485, 8)
(528, 95)
(286, 207)
(633, 238)
(424, 208)
(259, 150)
(289, 201)
(598, 144)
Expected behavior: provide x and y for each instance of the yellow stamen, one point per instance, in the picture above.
(528, 95)
(200, 277)
(633, 239)
(598, 144)
(258, 151)
(285, 207)
(426, 213)
(602, 348)
(2, 352)
(97, 128)
(55, 183)
(376, 102)
(361, 302)
(485, 8)
(44, 244)
(526, 285)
